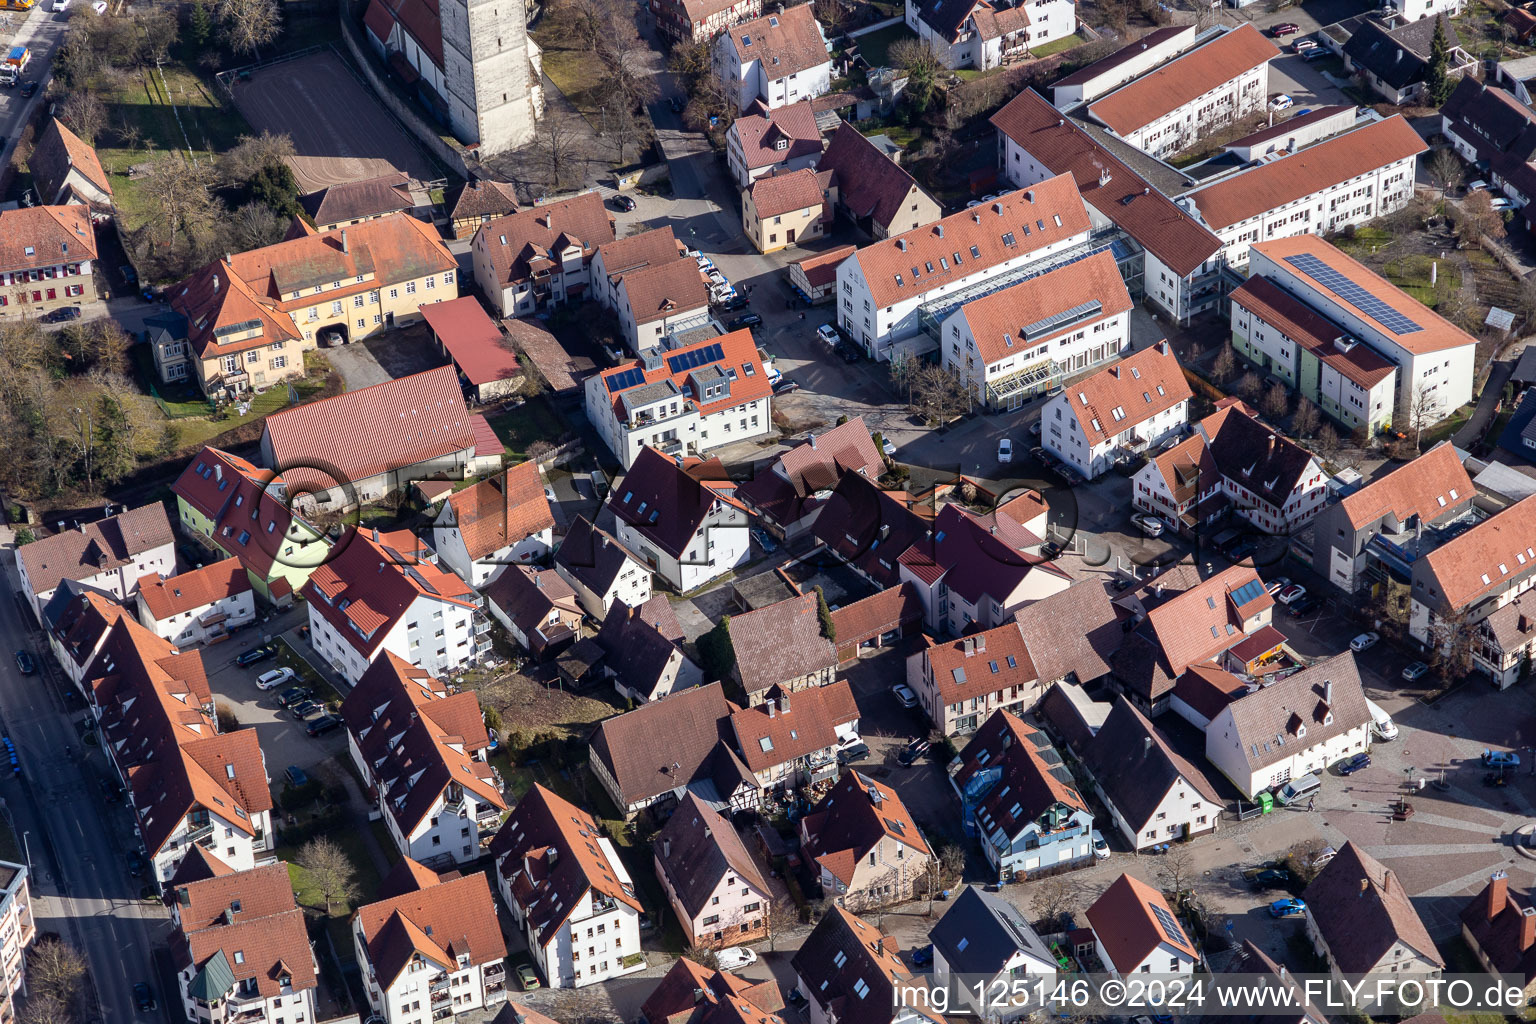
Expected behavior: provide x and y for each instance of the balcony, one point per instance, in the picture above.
(496, 971)
(481, 625)
(602, 904)
(197, 835)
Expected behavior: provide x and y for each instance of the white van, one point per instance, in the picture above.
(1381, 722)
(1299, 789)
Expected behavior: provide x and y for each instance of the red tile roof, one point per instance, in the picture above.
(1299, 323)
(472, 339)
(1486, 559)
(1027, 781)
(440, 922)
(532, 235)
(263, 938)
(359, 200)
(1321, 165)
(111, 543)
(502, 511)
(419, 19)
(1203, 621)
(696, 849)
(483, 197)
(821, 269)
(786, 42)
(691, 994)
(635, 252)
(227, 489)
(1126, 919)
(354, 436)
(1138, 387)
(196, 589)
(1428, 487)
(774, 195)
(1126, 53)
(878, 613)
(666, 744)
(799, 724)
(664, 290)
(1115, 191)
(760, 134)
(846, 824)
(1183, 80)
(997, 321)
(979, 665)
(57, 153)
(55, 234)
(738, 354)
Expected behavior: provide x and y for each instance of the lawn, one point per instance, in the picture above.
(571, 71)
(289, 656)
(520, 426)
(197, 431)
(1412, 273)
(1363, 241)
(308, 895)
(1064, 43)
(875, 46)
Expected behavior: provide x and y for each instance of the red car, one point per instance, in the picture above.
(1285, 28)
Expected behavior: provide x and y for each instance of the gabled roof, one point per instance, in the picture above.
(359, 200)
(1033, 780)
(1396, 56)
(528, 596)
(1208, 688)
(643, 645)
(246, 926)
(1123, 55)
(696, 849)
(517, 244)
(789, 489)
(442, 922)
(980, 664)
(667, 503)
(1256, 456)
(664, 290)
(1491, 119)
(821, 269)
(668, 744)
(780, 643)
(676, 369)
(760, 134)
(1299, 323)
(879, 613)
(592, 556)
(472, 339)
(53, 234)
(691, 994)
(58, 152)
(419, 19)
(1198, 624)
(553, 853)
(1319, 702)
(1503, 929)
(198, 588)
(1274, 183)
(785, 42)
(849, 968)
(869, 527)
(634, 252)
(851, 820)
(978, 556)
(502, 511)
(1063, 146)
(417, 740)
(1433, 485)
(242, 501)
(370, 579)
(796, 724)
(483, 197)
(216, 303)
(1131, 920)
(774, 195)
(1074, 632)
(1361, 909)
(1485, 559)
(980, 933)
(1129, 392)
(361, 434)
(1008, 228)
(1136, 768)
(1016, 319)
(868, 182)
(1184, 80)
(111, 543)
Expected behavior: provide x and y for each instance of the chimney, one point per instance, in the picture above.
(666, 849)
(1146, 745)
(551, 855)
(1388, 882)
(1524, 623)
(1029, 195)
(981, 642)
(80, 526)
(698, 994)
(968, 645)
(784, 703)
(813, 442)
(901, 243)
(1104, 177)
(344, 247)
(879, 946)
(975, 217)
(1114, 371)
(773, 707)
(1328, 692)
(1527, 927)
(215, 283)
(941, 230)
(1498, 895)
(1365, 886)
(375, 534)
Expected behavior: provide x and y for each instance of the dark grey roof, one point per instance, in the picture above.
(1135, 767)
(1075, 632)
(591, 556)
(980, 933)
(1373, 49)
(1525, 369)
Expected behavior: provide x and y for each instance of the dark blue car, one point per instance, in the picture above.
(1351, 765)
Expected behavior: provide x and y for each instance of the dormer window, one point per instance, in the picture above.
(781, 144)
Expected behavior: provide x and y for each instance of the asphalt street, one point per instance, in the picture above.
(76, 841)
(42, 31)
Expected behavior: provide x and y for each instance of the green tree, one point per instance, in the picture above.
(1437, 83)
(824, 613)
(115, 439)
(199, 24)
(717, 655)
(275, 187)
(24, 535)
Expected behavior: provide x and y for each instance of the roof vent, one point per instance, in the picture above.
(1029, 195)
(940, 229)
(901, 243)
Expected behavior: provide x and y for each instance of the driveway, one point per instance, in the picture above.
(385, 357)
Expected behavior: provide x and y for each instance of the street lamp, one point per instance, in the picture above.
(26, 842)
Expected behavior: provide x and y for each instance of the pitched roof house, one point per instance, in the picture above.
(1131, 406)
(783, 646)
(681, 517)
(1361, 919)
(66, 171)
(643, 650)
(478, 202)
(869, 528)
(775, 59)
(983, 936)
(1500, 929)
(541, 256)
(1134, 929)
(691, 994)
(864, 843)
(874, 191)
(712, 882)
(500, 520)
(352, 202)
(961, 682)
(41, 248)
(783, 138)
(876, 621)
(488, 369)
(201, 606)
(790, 738)
(847, 968)
(790, 493)
(1072, 635)
(110, 555)
(537, 607)
(600, 569)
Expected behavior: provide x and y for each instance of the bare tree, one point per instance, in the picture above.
(1422, 410)
(1478, 217)
(54, 970)
(252, 154)
(330, 869)
(1176, 871)
(181, 201)
(1328, 440)
(253, 226)
(85, 114)
(1225, 365)
(940, 392)
(1445, 167)
(1249, 385)
(248, 25)
(159, 29)
(1053, 899)
(559, 142)
(1453, 638)
(704, 956)
(1276, 401)
(1307, 419)
(833, 14)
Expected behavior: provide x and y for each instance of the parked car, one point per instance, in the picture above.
(734, 958)
(254, 655)
(1291, 594)
(136, 863)
(322, 725)
(527, 978)
(296, 775)
(1288, 907)
(291, 696)
(100, 7)
(1100, 847)
(1285, 28)
(1272, 878)
(746, 320)
(1350, 765)
(765, 541)
(61, 5)
(785, 386)
(275, 678)
(1418, 670)
(1276, 585)
(1148, 524)
(850, 353)
(735, 302)
(913, 751)
(1282, 102)
(1365, 641)
(28, 88)
(1502, 204)
(143, 995)
(24, 663)
(304, 708)
(904, 695)
(60, 315)
(887, 446)
(1500, 759)
(922, 955)
(853, 753)
(1476, 186)
(1005, 451)
(828, 335)
(624, 203)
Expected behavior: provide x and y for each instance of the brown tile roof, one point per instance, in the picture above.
(226, 489)
(1028, 216)
(738, 352)
(110, 543)
(1430, 486)
(358, 200)
(1484, 560)
(417, 739)
(1437, 333)
(856, 813)
(1118, 193)
(262, 948)
(1360, 923)
(215, 298)
(260, 892)
(361, 434)
(640, 748)
(1318, 166)
(1503, 930)
(363, 601)
(531, 235)
(439, 922)
(998, 321)
(484, 197)
(1286, 705)
(1125, 921)
(551, 851)
(57, 153)
(648, 248)
(760, 134)
(419, 18)
(472, 339)
(561, 370)
(195, 589)
(529, 596)
(1033, 778)
(1135, 767)
(1255, 455)
(1185, 465)
(1183, 80)
(1200, 623)
(502, 511)
(1209, 688)
(1071, 633)
(676, 499)
(691, 994)
(869, 528)
(696, 849)
(869, 183)
(785, 42)
(1140, 386)
(780, 643)
(878, 613)
(592, 556)
(979, 556)
(406, 875)
(55, 234)
(774, 195)
(841, 951)
(980, 664)
(665, 290)
(788, 490)
(801, 722)
(1299, 323)
(821, 269)
(643, 645)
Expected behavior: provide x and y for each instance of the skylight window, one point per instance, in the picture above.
(766, 743)
(1136, 372)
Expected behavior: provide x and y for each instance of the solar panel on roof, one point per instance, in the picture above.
(1353, 294)
(1170, 927)
(1247, 592)
(697, 357)
(626, 379)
